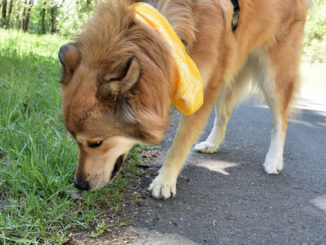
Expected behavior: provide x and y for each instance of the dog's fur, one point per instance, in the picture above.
(118, 72)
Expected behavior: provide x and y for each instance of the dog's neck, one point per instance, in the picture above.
(181, 17)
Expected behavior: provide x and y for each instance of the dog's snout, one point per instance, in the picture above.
(82, 185)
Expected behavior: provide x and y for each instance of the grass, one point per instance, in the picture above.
(38, 203)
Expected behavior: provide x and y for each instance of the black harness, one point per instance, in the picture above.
(236, 12)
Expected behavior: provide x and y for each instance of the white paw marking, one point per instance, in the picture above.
(205, 147)
(163, 188)
(273, 166)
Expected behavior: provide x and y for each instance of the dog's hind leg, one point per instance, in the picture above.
(164, 185)
(229, 96)
(274, 159)
(223, 108)
(278, 78)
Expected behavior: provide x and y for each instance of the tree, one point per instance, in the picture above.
(50, 7)
(26, 15)
(43, 17)
(52, 18)
(23, 16)
(4, 12)
(9, 13)
(4, 9)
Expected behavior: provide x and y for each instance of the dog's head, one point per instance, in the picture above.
(116, 84)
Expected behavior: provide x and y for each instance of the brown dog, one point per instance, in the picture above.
(118, 73)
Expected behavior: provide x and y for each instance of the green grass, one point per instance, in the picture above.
(37, 159)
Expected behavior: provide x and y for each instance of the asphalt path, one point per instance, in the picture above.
(227, 198)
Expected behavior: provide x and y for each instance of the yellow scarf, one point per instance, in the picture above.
(187, 86)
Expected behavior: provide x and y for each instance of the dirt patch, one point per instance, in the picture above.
(112, 224)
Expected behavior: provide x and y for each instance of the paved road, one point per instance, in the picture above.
(226, 198)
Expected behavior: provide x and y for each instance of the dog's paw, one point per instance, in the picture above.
(163, 188)
(273, 166)
(205, 147)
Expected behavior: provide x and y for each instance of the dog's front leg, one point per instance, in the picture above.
(164, 185)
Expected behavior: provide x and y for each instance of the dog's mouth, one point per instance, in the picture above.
(117, 166)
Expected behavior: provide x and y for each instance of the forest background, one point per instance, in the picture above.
(65, 17)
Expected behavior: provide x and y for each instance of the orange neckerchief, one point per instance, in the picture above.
(187, 86)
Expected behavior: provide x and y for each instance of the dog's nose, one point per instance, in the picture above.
(82, 185)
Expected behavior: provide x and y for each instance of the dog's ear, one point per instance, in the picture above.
(69, 57)
(125, 77)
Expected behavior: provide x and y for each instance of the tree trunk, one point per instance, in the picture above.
(27, 15)
(4, 13)
(4, 9)
(52, 18)
(9, 13)
(10, 7)
(23, 16)
(43, 20)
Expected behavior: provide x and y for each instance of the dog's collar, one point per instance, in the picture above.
(187, 86)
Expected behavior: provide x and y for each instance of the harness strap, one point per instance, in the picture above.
(236, 12)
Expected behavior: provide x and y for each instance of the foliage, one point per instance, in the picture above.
(72, 15)
(315, 33)
(38, 203)
(65, 16)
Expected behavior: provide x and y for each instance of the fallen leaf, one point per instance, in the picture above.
(215, 222)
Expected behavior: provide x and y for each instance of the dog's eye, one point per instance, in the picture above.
(94, 144)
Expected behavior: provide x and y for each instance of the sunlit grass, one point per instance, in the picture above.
(37, 159)
(313, 77)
